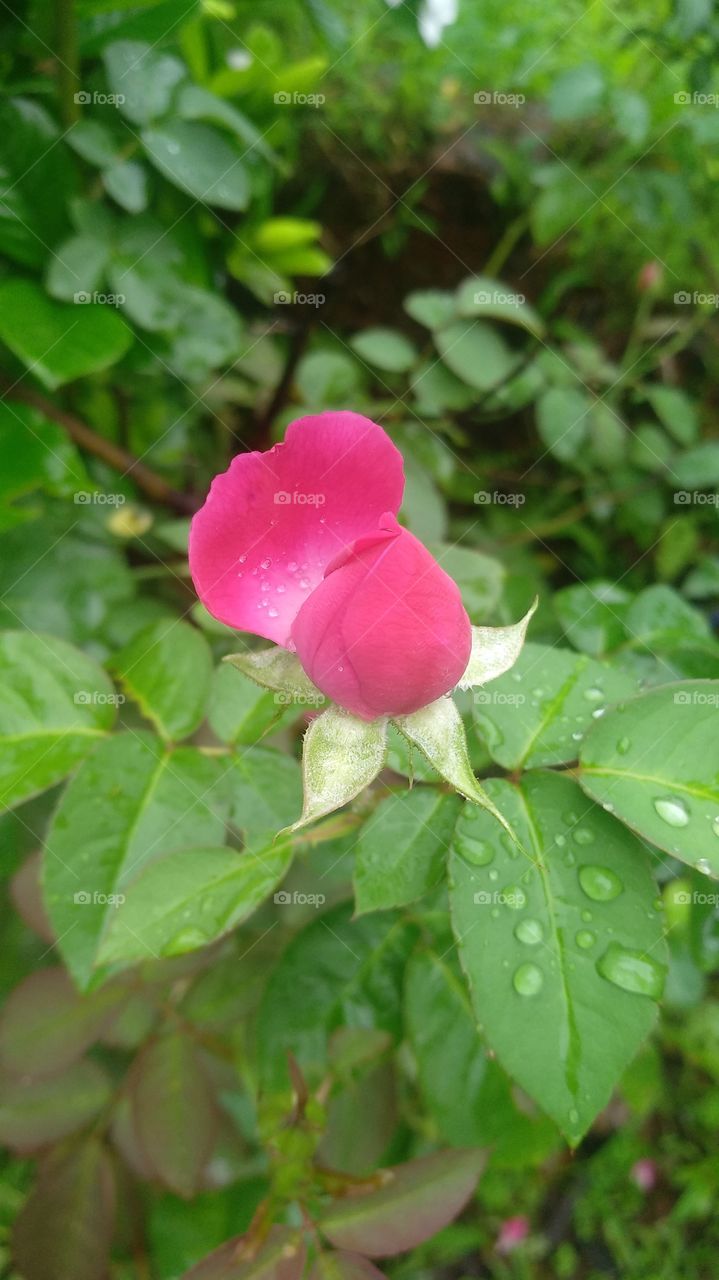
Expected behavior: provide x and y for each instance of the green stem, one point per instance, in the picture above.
(513, 233)
(68, 60)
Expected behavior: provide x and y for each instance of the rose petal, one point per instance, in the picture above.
(273, 522)
(386, 632)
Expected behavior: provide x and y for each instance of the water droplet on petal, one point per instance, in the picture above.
(593, 695)
(281, 589)
(530, 932)
(599, 883)
(242, 559)
(478, 852)
(632, 971)
(672, 810)
(272, 613)
(265, 564)
(514, 897)
(528, 980)
(704, 866)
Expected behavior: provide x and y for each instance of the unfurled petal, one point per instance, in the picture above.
(274, 521)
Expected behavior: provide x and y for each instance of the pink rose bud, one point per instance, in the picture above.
(511, 1234)
(650, 277)
(644, 1174)
(301, 545)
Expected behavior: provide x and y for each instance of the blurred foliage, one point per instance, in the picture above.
(492, 230)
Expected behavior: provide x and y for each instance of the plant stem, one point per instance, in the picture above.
(68, 60)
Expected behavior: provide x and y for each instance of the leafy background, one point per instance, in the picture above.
(493, 231)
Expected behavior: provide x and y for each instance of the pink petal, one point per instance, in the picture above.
(511, 1234)
(273, 522)
(386, 632)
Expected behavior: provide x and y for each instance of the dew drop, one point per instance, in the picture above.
(583, 835)
(704, 866)
(599, 712)
(293, 566)
(577, 737)
(528, 980)
(281, 589)
(672, 811)
(478, 852)
(586, 916)
(494, 913)
(187, 939)
(493, 875)
(632, 971)
(273, 613)
(574, 1116)
(304, 583)
(623, 746)
(514, 897)
(599, 883)
(560, 840)
(715, 826)
(585, 939)
(265, 564)
(593, 695)
(530, 932)
(242, 559)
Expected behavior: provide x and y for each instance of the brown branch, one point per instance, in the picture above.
(147, 480)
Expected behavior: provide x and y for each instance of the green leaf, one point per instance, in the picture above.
(190, 898)
(385, 349)
(55, 706)
(328, 378)
(36, 454)
(563, 417)
(126, 182)
(174, 1111)
(338, 972)
(77, 266)
(58, 342)
(495, 650)
(144, 78)
(494, 300)
(538, 713)
(476, 353)
(239, 711)
(564, 961)
(341, 755)
(129, 804)
(417, 1200)
(46, 1026)
(655, 762)
(433, 308)
(577, 93)
(73, 1204)
(34, 1113)
(199, 160)
(167, 669)
(698, 468)
(479, 577)
(265, 793)
(676, 411)
(344, 1266)
(402, 848)
(592, 615)
(442, 1031)
(93, 141)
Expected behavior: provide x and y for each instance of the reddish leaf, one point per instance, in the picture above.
(361, 1120)
(281, 1257)
(124, 1138)
(34, 1113)
(344, 1266)
(65, 1228)
(27, 898)
(174, 1112)
(417, 1200)
(46, 1024)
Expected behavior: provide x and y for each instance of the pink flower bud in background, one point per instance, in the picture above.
(650, 277)
(644, 1174)
(512, 1233)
